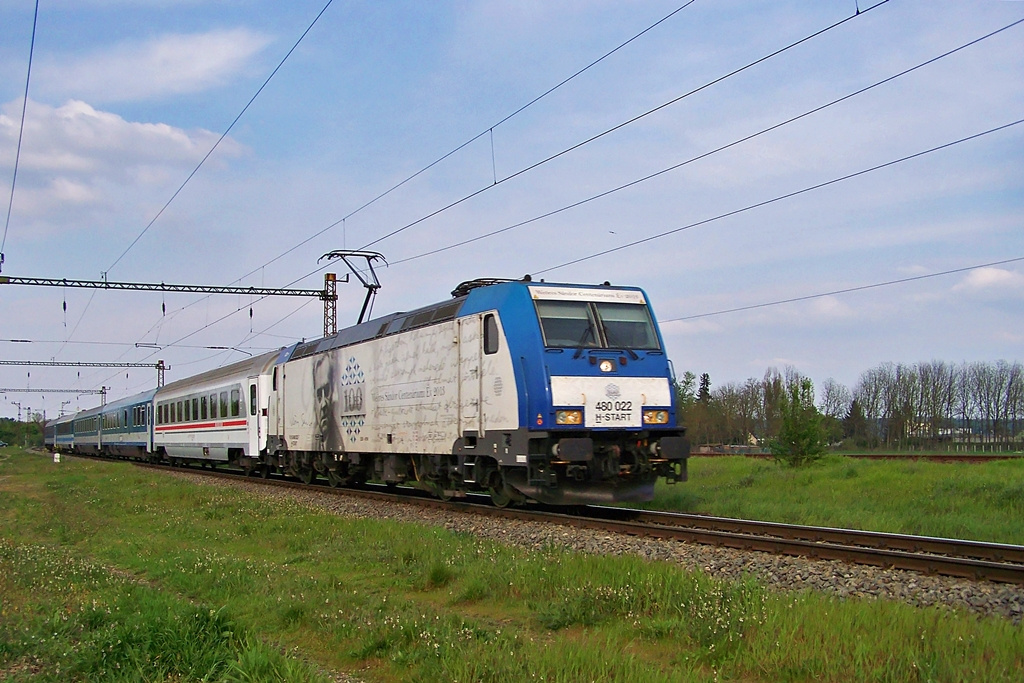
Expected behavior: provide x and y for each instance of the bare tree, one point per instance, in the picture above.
(835, 399)
(868, 394)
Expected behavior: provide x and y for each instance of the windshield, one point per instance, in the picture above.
(582, 324)
(627, 326)
(567, 324)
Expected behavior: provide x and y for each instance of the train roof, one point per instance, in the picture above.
(63, 418)
(381, 327)
(144, 397)
(247, 367)
(426, 315)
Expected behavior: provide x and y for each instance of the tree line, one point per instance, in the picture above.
(893, 405)
(29, 433)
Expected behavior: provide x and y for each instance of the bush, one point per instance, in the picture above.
(802, 435)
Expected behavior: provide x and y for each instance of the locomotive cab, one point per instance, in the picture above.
(597, 415)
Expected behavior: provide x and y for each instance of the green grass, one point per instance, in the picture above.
(983, 501)
(114, 573)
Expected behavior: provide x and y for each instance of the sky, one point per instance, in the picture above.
(126, 99)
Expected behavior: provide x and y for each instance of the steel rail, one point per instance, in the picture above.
(996, 552)
(906, 457)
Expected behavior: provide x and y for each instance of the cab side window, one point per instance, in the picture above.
(490, 334)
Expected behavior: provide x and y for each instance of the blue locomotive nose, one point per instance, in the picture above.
(599, 416)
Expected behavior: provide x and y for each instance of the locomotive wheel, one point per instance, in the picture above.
(306, 475)
(336, 479)
(501, 497)
(264, 471)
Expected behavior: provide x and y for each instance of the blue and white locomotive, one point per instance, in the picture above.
(527, 390)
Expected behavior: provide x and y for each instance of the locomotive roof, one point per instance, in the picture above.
(382, 327)
(402, 321)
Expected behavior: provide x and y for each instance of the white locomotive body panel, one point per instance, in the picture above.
(415, 392)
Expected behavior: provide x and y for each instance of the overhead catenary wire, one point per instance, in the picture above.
(236, 347)
(704, 155)
(223, 135)
(112, 343)
(558, 154)
(21, 132)
(619, 126)
(310, 273)
(708, 220)
(847, 290)
(780, 198)
(592, 138)
(203, 160)
(488, 131)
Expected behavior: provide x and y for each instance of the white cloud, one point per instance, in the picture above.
(76, 156)
(990, 280)
(831, 307)
(171, 64)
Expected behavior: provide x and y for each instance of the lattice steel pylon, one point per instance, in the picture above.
(330, 304)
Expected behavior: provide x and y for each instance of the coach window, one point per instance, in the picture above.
(490, 334)
(195, 409)
(235, 400)
(223, 404)
(252, 399)
(174, 414)
(202, 407)
(188, 413)
(213, 406)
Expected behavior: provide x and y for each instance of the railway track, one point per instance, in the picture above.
(977, 560)
(934, 457)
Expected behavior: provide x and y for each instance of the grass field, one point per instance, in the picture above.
(983, 502)
(111, 573)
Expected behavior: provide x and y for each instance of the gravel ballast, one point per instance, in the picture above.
(778, 572)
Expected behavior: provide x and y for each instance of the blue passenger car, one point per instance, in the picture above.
(126, 426)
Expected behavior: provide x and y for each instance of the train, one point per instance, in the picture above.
(561, 394)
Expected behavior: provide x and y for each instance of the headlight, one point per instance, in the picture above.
(656, 417)
(569, 417)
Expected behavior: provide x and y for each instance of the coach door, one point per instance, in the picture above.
(469, 336)
(253, 418)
